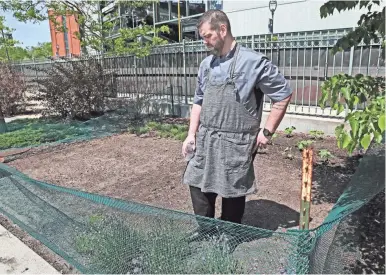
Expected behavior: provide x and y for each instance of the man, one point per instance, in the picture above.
(225, 119)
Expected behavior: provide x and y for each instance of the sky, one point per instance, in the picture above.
(27, 33)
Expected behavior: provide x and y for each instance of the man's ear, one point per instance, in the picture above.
(223, 30)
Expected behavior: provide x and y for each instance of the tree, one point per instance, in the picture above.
(42, 50)
(6, 40)
(93, 34)
(15, 53)
(343, 91)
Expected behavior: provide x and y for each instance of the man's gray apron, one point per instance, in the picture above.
(225, 141)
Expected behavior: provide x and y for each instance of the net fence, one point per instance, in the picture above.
(99, 234)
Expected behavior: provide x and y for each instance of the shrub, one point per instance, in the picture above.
(12, 90)
(74, 89)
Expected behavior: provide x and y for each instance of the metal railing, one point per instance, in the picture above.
(304, 58)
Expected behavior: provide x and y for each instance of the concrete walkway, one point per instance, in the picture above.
(17, 258)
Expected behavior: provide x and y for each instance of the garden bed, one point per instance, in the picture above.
(144, 167)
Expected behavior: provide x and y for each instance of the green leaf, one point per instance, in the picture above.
(354, 126)
(377, 137)
(338, 130)
(365, 141)
(381, 122)
(346, 140)
(345, 93)
(340, 108)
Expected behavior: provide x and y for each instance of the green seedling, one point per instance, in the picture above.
(316, 134)
(288, 131)
(325, 155)
(304, 144)
(271, 141)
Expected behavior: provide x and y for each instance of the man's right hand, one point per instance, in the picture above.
(190, 139)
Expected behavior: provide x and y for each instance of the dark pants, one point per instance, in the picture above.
(204, 205)
(232, 209)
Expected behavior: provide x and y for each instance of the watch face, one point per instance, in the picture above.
(266, 132)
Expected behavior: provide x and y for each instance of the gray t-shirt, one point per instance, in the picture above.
(255, 75)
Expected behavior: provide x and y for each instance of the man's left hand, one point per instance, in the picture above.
(261, 140)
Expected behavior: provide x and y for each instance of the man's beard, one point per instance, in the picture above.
(217, 48)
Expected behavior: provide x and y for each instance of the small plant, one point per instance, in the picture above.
(288, 131)
(325, 155)
(316, 134)
(304, 144)
(271, 141)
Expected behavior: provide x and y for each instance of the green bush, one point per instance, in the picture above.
(75, 89)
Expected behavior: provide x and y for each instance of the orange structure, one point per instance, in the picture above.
(64, 44)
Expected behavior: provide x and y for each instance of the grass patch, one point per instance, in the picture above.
(33, 132)
(38, 131)
(164, 130)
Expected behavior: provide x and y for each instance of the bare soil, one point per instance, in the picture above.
(149, 170)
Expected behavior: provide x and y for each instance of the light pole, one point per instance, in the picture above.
(272, 8)
(132, 17)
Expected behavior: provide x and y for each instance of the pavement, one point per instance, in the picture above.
(17, 258)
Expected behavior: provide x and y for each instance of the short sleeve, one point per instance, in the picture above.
(199, 93)
(270, 81)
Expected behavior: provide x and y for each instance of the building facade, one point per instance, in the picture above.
(252, 17)
(64, 43)
(247, 17)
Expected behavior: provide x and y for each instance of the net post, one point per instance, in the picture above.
(305, 203)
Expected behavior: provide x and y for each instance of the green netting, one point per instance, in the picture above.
(54, 131)
(98, 234)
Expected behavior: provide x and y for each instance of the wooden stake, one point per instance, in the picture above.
(305, 204)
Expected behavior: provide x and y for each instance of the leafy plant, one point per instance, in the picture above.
(364, 97)
(288, 131)
(75, 89)
(325, 155)
(316, 134)
(304, 144)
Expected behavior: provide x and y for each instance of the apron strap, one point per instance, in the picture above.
(233, 65)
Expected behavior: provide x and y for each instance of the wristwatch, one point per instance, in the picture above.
(267, 133)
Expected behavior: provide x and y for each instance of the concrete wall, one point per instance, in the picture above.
(251, 17)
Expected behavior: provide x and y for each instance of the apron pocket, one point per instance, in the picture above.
(199, 155)
(236, 153)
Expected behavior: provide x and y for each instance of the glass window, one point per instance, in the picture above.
(215, 4)
(196, 7)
